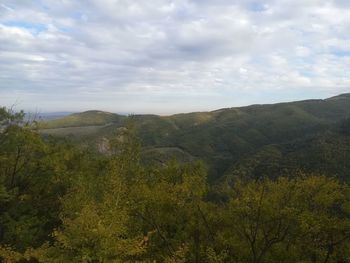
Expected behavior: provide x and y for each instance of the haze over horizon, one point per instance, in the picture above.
(59, 114)
(167, 57)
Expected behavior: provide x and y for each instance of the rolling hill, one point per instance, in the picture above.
(87, 118)
(223, 138)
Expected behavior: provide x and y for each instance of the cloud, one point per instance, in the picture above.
(167, 56)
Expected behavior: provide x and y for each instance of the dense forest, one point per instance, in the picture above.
(254, 184)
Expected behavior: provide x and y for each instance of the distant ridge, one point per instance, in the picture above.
(341, 96)
(87, 118)
(221, 137)
(100, 118)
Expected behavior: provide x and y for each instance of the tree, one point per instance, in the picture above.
(169, 204)
(288, 220)
(96, 211)
(34, 174)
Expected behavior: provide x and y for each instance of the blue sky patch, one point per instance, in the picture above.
(33, 27)
(340, 52)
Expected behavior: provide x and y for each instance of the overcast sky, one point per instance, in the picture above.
(163, 56)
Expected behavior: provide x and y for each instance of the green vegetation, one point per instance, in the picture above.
(224, 138)
(256, 184)
(88, 118)
(76, 132)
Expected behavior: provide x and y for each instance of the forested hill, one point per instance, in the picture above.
(278, 188)
(222, 138)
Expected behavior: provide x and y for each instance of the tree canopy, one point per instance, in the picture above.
(62, 202)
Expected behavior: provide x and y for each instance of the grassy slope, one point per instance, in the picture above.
(88, 118)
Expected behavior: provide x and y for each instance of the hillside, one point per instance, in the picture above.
(88, 118)
(63, 202)
(220, 138)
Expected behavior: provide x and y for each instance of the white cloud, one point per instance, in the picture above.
(131, 56)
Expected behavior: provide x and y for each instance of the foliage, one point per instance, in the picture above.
(61, 202)
(305, 219)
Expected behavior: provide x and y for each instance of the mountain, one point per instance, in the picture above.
(223, 139)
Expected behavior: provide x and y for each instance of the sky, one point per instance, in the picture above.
(164, 56)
